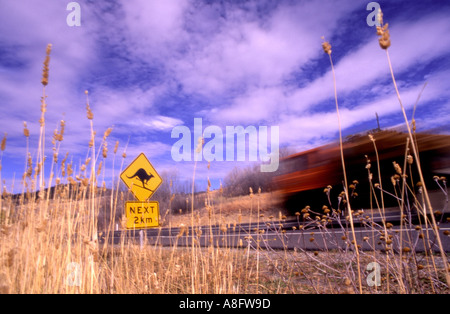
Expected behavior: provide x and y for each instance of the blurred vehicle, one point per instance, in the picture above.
(304, 176)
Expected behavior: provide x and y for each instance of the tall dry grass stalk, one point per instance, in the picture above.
(41, 148)
(2, 149)
(49, 232)
(381, 210)
(327, 49)
(385, 42)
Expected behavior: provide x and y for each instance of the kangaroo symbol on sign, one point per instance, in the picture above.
(143, 176)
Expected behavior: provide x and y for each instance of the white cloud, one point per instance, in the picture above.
(162, 123)
(322, 126)
(301, 113)
(153, 29)
(248, 52)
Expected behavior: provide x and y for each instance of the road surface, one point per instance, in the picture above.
(295, 234)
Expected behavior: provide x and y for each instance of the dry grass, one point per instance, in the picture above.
(233, 210)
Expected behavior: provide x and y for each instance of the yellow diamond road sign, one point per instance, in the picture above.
(141, 178)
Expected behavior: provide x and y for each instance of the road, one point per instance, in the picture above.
(293, 234)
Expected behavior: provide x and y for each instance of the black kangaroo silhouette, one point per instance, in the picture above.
(143, 176)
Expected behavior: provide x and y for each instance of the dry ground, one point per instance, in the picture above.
(232, 210)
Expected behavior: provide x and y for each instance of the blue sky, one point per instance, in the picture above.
(150, 65)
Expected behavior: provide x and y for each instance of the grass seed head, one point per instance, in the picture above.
(91, 141)
(383, 32)
(26, 132)
(3, 144)
(397, 168)
(90, 115)
(385, 39)
(61, 130)
(107, 133)
(105, 150)
(406, 249)
(393, 181)
(99, 168)
(200, 143)
(410, 159)
(45, 71)
(326, 46)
